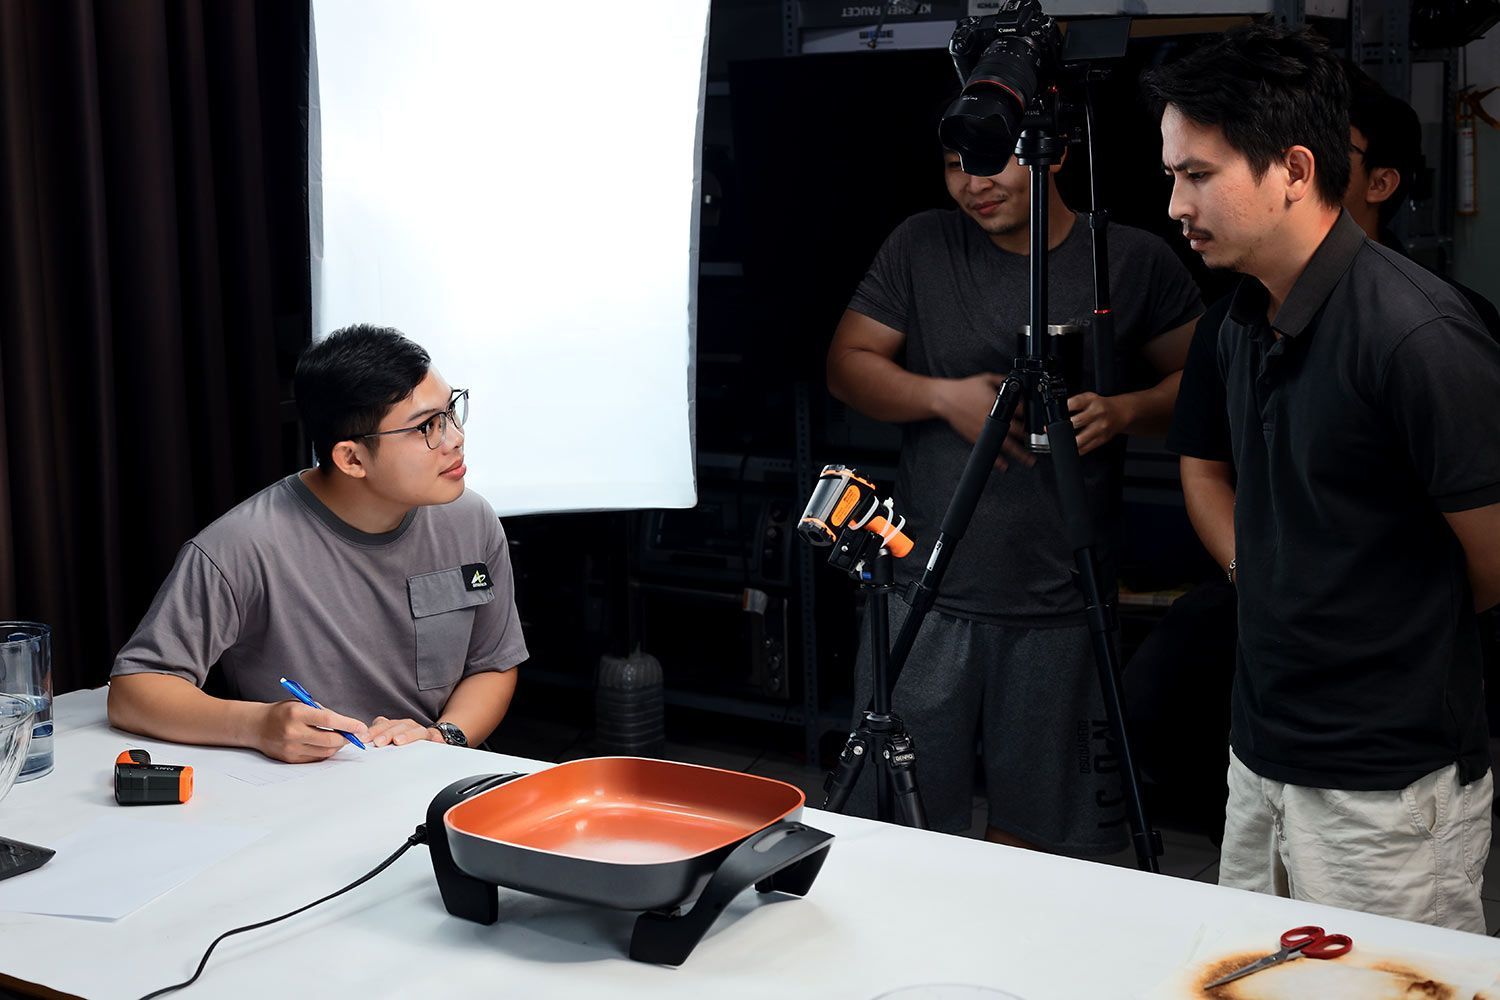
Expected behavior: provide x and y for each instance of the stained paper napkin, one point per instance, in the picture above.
(1365, 973)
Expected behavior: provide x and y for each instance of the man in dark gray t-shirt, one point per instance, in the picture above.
(1005, 655)
(375, 580)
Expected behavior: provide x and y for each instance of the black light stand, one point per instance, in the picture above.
(1035, 378)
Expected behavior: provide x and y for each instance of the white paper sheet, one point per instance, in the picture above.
(117, 864)
(249, 766)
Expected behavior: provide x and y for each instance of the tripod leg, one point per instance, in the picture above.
(960, 511)
(840, 781)
(885, 808)
(1077, 524)
(878, 719)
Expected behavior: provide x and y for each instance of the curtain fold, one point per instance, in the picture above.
(154, 288)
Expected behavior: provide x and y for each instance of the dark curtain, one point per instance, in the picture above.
(154, 282)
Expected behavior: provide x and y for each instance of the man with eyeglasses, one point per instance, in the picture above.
(374, 580)
(1385, 167)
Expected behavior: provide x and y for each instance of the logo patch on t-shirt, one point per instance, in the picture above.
(477, 577)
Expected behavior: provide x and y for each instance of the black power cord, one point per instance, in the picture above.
(419, 836)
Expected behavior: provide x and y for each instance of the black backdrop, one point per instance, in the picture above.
(833, 151)
(154, 282)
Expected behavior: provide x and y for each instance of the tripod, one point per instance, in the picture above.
(1035, 379)
(880, 734)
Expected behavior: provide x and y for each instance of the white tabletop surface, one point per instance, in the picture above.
(891, 908)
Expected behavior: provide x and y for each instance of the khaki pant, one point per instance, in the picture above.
(1417, 853)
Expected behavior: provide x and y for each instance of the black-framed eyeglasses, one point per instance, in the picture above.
(1355, 149)
(435, 428)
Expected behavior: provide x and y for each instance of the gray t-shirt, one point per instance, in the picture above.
(370, 624)
(961, 301)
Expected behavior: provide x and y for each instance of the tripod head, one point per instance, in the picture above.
(846, 513)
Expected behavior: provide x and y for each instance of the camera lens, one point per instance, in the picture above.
(981, 125)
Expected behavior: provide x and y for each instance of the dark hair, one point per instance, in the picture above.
(346, 382)
(1393, 136)
(1267, 89)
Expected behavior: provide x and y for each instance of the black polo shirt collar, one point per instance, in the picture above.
(1311, 289)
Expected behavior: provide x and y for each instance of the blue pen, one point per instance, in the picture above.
(306, 699)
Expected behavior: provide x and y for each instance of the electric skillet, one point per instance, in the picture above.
(674, 841)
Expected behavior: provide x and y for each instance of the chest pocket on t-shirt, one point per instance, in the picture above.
(442, 610)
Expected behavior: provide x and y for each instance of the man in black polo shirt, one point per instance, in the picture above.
(1341, 459)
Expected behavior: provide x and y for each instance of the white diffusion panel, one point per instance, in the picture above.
(515, 186)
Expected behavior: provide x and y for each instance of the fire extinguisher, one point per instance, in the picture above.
(1470, 108)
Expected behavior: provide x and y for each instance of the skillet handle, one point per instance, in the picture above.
(785, 857)
(463, 895)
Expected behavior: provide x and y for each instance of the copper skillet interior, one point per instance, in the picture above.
(626, 810)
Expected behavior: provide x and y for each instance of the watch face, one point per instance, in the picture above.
(452, 734)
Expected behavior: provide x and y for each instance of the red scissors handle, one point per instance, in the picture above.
(1329, 946)
(1299, 936)
(1311, 942)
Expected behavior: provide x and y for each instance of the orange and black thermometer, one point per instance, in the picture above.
(138, 782)
(843, 500)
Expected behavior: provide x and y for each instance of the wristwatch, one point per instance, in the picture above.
(452, 735)
(1232, 564)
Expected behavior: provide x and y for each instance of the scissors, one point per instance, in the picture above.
(1299, 942)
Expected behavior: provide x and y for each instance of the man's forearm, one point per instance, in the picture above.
(1478, 532)
(881, 389)
(172, 708)
(479, 702)
(1210, 505)
(1151, 409)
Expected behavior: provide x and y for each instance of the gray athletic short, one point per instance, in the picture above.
(1030, 697)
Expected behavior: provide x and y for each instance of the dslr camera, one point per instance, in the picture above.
(1005, 60)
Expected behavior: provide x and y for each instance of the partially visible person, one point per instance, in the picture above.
(1341, 461)
(1176, 691)
(375, 580)
(1385, 164)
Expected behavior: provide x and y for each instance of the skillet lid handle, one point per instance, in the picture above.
(784, 857)
(470, 787)
(463, 788)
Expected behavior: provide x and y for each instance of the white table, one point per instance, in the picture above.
(892, 907)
